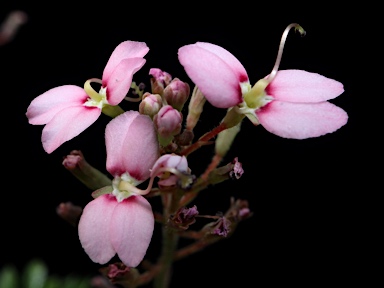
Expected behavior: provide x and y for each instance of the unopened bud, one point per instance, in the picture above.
(69, 212)
(82, 170)
(176, 93)
(168, 124)
(225, 139)
(159, 80)
(195, 108)
(150, 104)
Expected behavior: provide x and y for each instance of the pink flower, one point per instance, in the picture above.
(290, 104)
(68, 110)
(121, 222)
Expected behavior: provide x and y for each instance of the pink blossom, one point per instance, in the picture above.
(121, 222)
(294, 104)
(68, 110)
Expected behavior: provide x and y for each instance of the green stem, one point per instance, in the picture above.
(170, 241)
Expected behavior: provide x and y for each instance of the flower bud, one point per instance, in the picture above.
(159, 80)
(150, 104)
(168, 124)
(69, 212)
(83, 171)
(176, 93)
(195, 108)
(225, 140)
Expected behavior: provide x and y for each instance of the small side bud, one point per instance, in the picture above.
(225, 139)
(83, 171)
(168, 124)
(150, 104)
(69, 212)
(159, 80)
(195, 108)
(176, 93)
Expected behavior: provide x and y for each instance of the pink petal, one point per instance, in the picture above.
(94, 228)
(125, 50)
(171, 180)
(302, 86)
(301, 120)
(44, 107)
(132, 145)
(67, 124)
(115, 135)
(119, 81)
(131, 229)
(171, 161)
(215, 71)
(228, 58)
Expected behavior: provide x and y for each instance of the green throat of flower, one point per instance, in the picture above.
(256, 97)
(99, 99)
(125, 187)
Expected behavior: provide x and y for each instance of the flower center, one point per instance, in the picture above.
(254, 99)
(96, 99)
(124, 186)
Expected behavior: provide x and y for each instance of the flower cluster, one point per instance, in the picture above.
(152, 145)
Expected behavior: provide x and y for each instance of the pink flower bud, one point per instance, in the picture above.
(150, 104)
(176, 93)
(159, 80)
(168, 124)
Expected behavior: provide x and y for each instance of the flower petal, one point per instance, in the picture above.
(301, 120)
(119, 81)
(94, 228)
(125, 50)
(302, 86)
(132, 229)
(44, 107)
(67, 124)
(227, 57)
(215, 71)
(132, 145)
(170, 161)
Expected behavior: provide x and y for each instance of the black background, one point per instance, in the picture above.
(299, 191)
